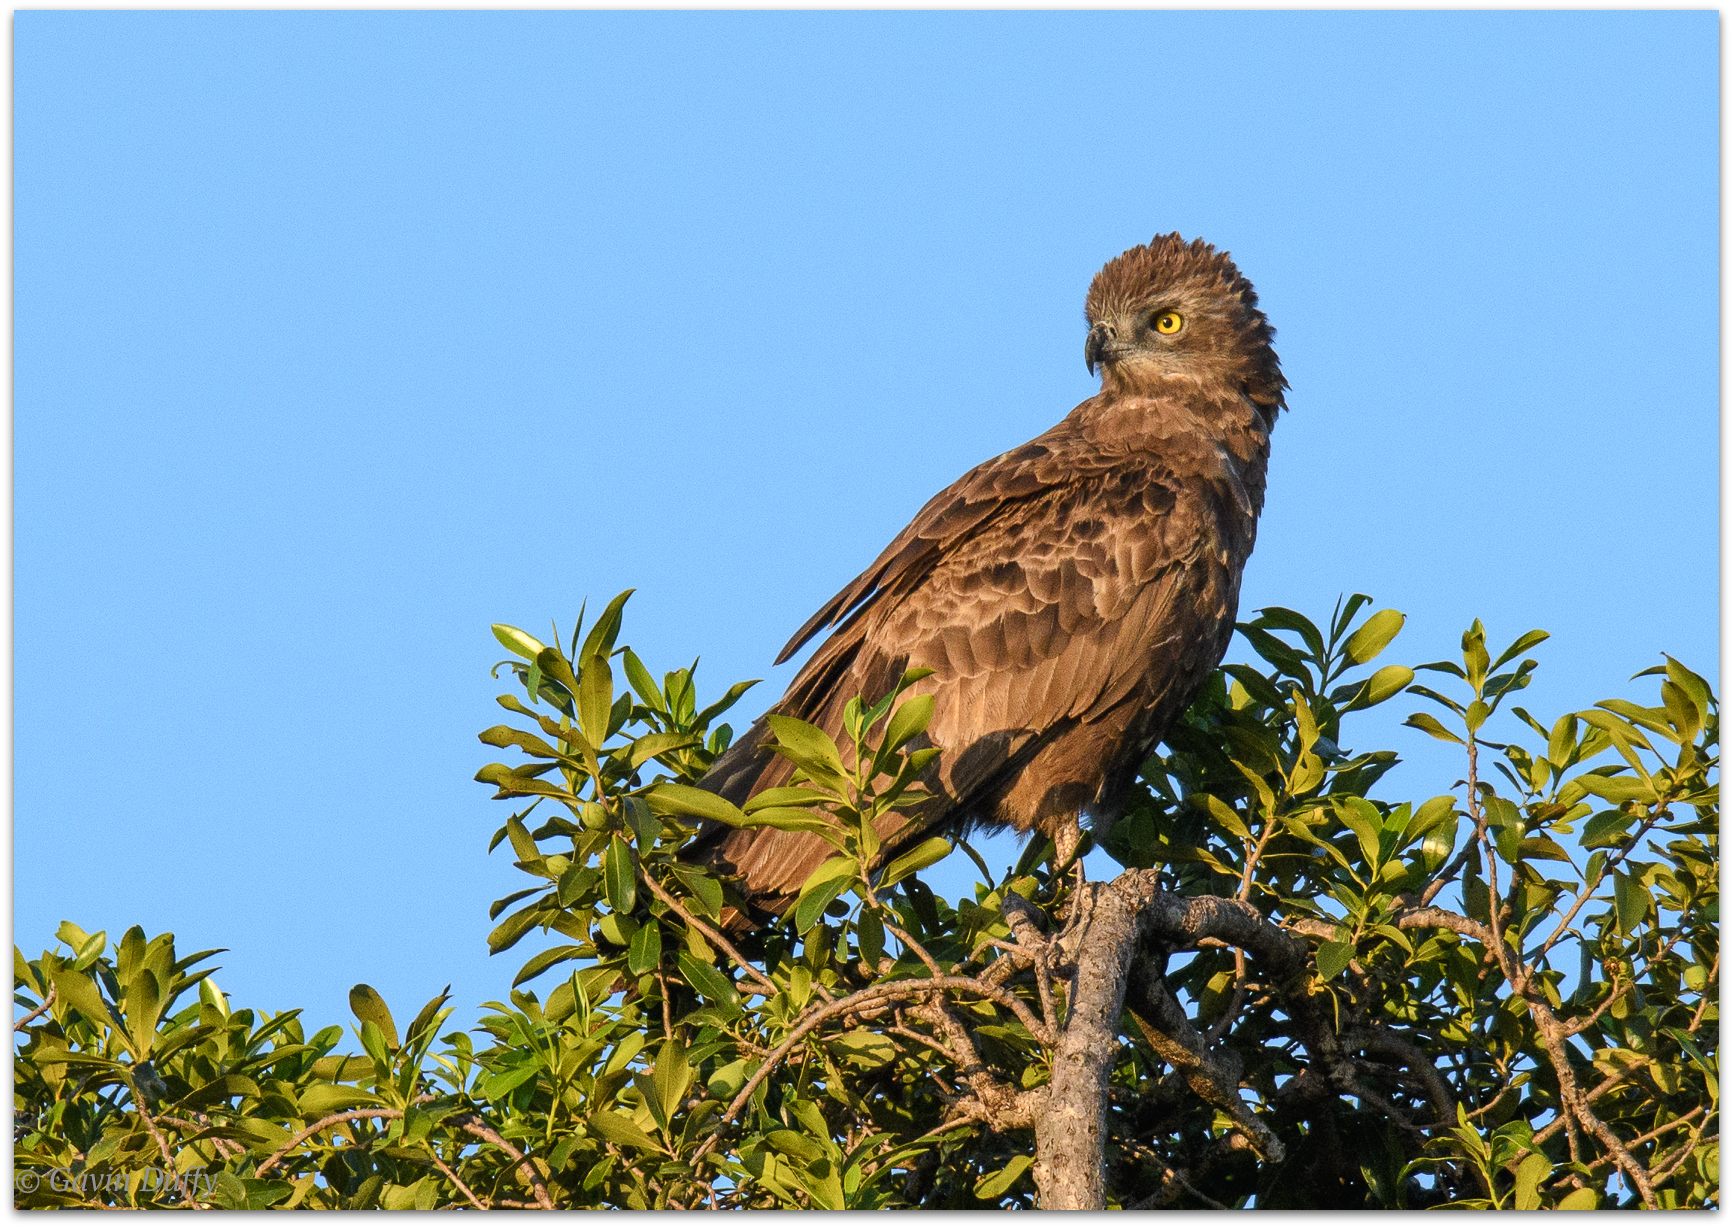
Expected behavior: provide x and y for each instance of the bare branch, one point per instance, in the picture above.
(1441, 918)
(895, 991)
(324, 1123)
(454, 1178)
(711, 935)
(473, 1124)
(47, 1001)
(1172, 1036)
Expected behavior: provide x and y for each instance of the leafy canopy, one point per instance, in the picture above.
(1503, 995)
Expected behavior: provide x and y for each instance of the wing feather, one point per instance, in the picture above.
(1052, 590)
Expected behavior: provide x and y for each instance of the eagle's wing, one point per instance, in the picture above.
(1050, 589)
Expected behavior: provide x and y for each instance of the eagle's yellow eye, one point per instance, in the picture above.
(1168, 323)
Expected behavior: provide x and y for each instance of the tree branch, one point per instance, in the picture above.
(473, 1124)
(47, 1001)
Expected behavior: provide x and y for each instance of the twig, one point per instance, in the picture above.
(161, 1143)
(1660, 1130)
(1039, 947)
(324, 1123)
(47, 1001)
(1680, 1156)
(454, 1178)
(1001, 1106)
(920, 951)
(228, 1150)
(667, 1010)
(710, 935)
(1589, 889)
(875, 993)
(480, 1129)
(1237, 1003)
(1583, 1025)
(1382, 1040)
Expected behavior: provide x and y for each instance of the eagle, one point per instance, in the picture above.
(1070, 596)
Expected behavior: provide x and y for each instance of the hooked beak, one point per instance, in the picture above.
(1099, 346)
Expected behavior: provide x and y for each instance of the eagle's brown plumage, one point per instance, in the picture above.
(1071, 595)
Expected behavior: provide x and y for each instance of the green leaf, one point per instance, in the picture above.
(521, 843)
(1283, 619)
(618, 878)
(869, 935)
(1630, 900)
(369, 1007)
(1384, 684)
(1562, 741)
(917, 858)
(699, 803)
(831, 868)
(703, 719)
(1522, 644)
(707, 981)
(810, 748)
(1374, 635)
(504, 735)
(143, 1003)
(1433, 813)
(815, 899)
(793, 1143)
(1507, 827)
(995, 1185)
(1584, 1199)
(1616, 789)
(374, 1042)
(1223, 814)
(673, 1076)
(1428, 723)
(619, 1130)
(543, 960)
(595, 699)
(506, 934)
(324, 1099)
(642, 682)
(1273, 650)
(1534, 1169)
(650, 745)
(1333, 957)
(909, 720)
(645, 952)
(519, 642)
(1607, 829)
(644, 824)
(793, 796)
(1542, 848)
(868, 1050)
(1474, 658)
(1364, 825)
(599, 643)
(787, 818)
(705, 889)
(220, 1088)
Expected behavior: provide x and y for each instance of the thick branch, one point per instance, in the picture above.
(1071, 1132)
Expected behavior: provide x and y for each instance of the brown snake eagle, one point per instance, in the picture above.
(1071, 595)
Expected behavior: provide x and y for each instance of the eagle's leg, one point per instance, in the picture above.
(1067, 837)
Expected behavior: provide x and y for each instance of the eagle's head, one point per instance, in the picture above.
(1171, 312)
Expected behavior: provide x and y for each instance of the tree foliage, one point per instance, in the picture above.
(1298, 993)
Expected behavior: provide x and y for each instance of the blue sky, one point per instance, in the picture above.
(341, 336)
